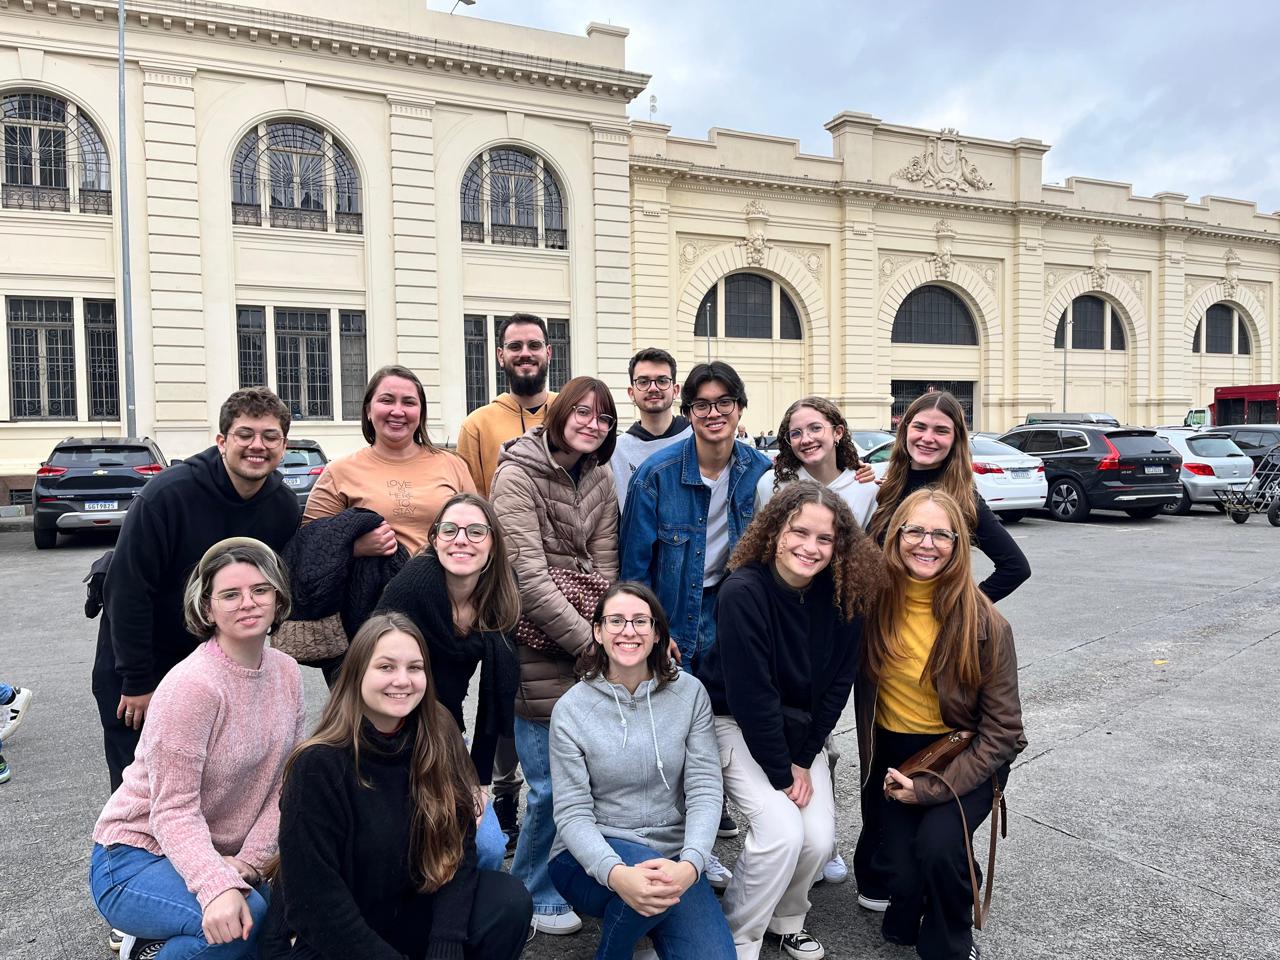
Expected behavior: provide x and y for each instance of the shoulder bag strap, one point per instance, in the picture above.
(1000, 822)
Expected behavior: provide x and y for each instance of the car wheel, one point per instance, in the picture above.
(46, 539)
(1011, 516)
(1240, 516)
(1273, 514)
(1144, 513)
(1179, 509)
(1067, 502)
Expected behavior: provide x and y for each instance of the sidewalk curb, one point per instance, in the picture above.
(11, 524)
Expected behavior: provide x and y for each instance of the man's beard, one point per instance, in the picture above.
(526, 384)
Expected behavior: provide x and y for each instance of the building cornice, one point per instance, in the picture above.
(331, 38)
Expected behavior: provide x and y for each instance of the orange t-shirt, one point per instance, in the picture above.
(407, 493)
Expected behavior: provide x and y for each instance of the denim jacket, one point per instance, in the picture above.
(663, 536)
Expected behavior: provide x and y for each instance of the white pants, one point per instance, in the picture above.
(785, 848)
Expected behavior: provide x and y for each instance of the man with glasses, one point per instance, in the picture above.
(653, 390)
(524, 356)
(230, 490)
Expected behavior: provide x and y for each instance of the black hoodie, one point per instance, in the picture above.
(179, 515)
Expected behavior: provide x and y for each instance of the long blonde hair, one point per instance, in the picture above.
(957, 469)
(962, 610)
(442, 781)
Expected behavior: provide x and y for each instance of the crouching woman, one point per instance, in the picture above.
(937, 658)
(636, 779)
(378, 824)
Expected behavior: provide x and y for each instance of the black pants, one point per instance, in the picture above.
(497, 930)
(118, 740)
(918, 854)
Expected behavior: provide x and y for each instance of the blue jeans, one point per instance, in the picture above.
(491, 842)
(143, 895)
(538, 832)
(693, 929)
(7, 693)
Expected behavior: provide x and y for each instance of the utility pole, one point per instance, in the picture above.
(130, 390)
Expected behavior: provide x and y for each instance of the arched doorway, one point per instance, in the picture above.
(934, 347)
(1091, 347)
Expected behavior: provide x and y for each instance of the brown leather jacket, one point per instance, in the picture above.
(550, 522)
(993, 711)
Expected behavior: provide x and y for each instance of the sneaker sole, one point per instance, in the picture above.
(875, 906)
(11, 728)
(556, 931)
(728, 834)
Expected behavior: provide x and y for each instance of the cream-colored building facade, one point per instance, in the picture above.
(318, 189)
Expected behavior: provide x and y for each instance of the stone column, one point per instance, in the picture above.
(862, 376)
(1025, 351)
(1167, 396)
(611, 211)
(651, 259)
(413, 224)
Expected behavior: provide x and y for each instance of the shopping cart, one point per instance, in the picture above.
(1260, 495)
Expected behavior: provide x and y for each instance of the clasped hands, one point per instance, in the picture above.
(655, 885)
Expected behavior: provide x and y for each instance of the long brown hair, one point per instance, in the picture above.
(785, 467)
(957, 469)
(857, 566)
(962, 610)
(496, 598)
(420, 435)
(442, 780)
(594, 661)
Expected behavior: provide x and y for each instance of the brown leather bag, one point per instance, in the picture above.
(583, 591)
(930, 762)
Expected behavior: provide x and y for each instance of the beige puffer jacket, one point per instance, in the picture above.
(549, 522)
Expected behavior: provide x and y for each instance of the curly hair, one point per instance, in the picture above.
(857, 565)
(787, 463)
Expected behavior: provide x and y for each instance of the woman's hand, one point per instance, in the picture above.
(673, 651)
(247, 873)
(801, 790)
(865, 474)
(646, 889)
(227, 918)
(378, 542)
(900, 788)
(482, 800)
(682, 873)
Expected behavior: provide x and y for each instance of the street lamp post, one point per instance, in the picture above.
(130, 392)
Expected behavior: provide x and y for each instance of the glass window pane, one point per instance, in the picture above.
(1244, 346)
(104, 364)
(558, 371)
(1195, 340)
(251, 338)
(351, 347)
(476, 361)
(933, 314)
(42, 380)
(1218, 320)
(1117, 331)
(1059, 337)
(704, 323)
(748, 306)
(1087, 314)
(789, 327)
(906, 392)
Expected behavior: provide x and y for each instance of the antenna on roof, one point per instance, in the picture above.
(653, 105)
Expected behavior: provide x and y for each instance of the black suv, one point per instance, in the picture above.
(1254, 439)
(89, 484)
(301, 467)
(1099, 467)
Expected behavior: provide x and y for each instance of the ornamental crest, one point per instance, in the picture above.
(943, 166)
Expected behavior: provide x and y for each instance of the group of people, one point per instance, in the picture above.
(665, 622)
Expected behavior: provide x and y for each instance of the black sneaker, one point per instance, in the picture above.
(5, 773)
(728, 826)
(134, 949)
(505, 808)
(802, 946)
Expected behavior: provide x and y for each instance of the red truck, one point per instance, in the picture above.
(1252, 403)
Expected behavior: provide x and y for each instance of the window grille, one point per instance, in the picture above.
(251, 338)
(54, 158)
(933, 314)
(355, 370)
(906, 392)
(509, 197)
(789, 327)
(1243, 345)
(42, 368)
(293, 175)
(704, 323)
(1218, 323)
(303, 374)
(476, 360)
(104, 359)
(748, 306)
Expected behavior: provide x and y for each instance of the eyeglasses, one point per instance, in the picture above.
(815, 429)
(270, 438)
(702, 408)
(644, 383)
(914, 535)
(448, 530)
(615, 623)
(519, 346)
(229, 600)
(584, 414)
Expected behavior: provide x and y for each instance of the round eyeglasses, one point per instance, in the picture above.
(913, 535)
(448, 530)
(615, 623)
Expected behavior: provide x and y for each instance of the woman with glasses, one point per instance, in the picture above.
(636, 776)
(461, 595)
(554, 495)
(180, 847)
(401, 475)
(937, 657)
(779, 675)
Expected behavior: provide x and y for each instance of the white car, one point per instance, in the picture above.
(1011, 481)
(1210, 462)
(864, 441)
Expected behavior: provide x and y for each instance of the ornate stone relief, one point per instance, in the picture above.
(892, 264)
(1101, 257)
(1132, 280)
(811, 260)
(943, 166)
(755, 243)
(1231, 282)
(691, 251)
(1259, 290)
(988, 271)
(943, 260)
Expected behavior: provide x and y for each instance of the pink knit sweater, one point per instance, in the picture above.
(205, 780)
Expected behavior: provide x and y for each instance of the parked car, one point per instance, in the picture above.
(1090, 467)
(1210, 462)
(300, 468)
(88, 484)
(1009, 480)
(864, 441)
(1104, 418)
(1255, 440)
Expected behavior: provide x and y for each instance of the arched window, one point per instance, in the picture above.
(509, 196)
(1094, 325)
(933, 314)
(755, 308)
(1214, 333)
(54, 158)
(291, 174)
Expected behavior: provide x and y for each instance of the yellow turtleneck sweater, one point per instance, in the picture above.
(908, 704)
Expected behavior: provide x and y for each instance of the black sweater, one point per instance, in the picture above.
(783, 658)
(345, 885)
(1011, 566)
(179, 515)
(421, 593)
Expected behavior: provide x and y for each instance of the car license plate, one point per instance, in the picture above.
(101, 504)
(1020, 473)
(295, 481)
(1154, 469)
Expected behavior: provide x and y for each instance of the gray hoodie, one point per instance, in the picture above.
(642, 767)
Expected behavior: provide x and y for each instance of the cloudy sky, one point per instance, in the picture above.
(1169, 95)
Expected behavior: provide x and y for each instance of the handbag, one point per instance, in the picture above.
(583, 590)
(310, 641)
(931, 762)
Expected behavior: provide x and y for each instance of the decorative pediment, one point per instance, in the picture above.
(943, 166)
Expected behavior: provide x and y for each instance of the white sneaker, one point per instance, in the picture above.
(557, 924)
(14, 712)
(718, 874)
(802, 946)
(114, 939)
(870, 903)
(835, 871)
